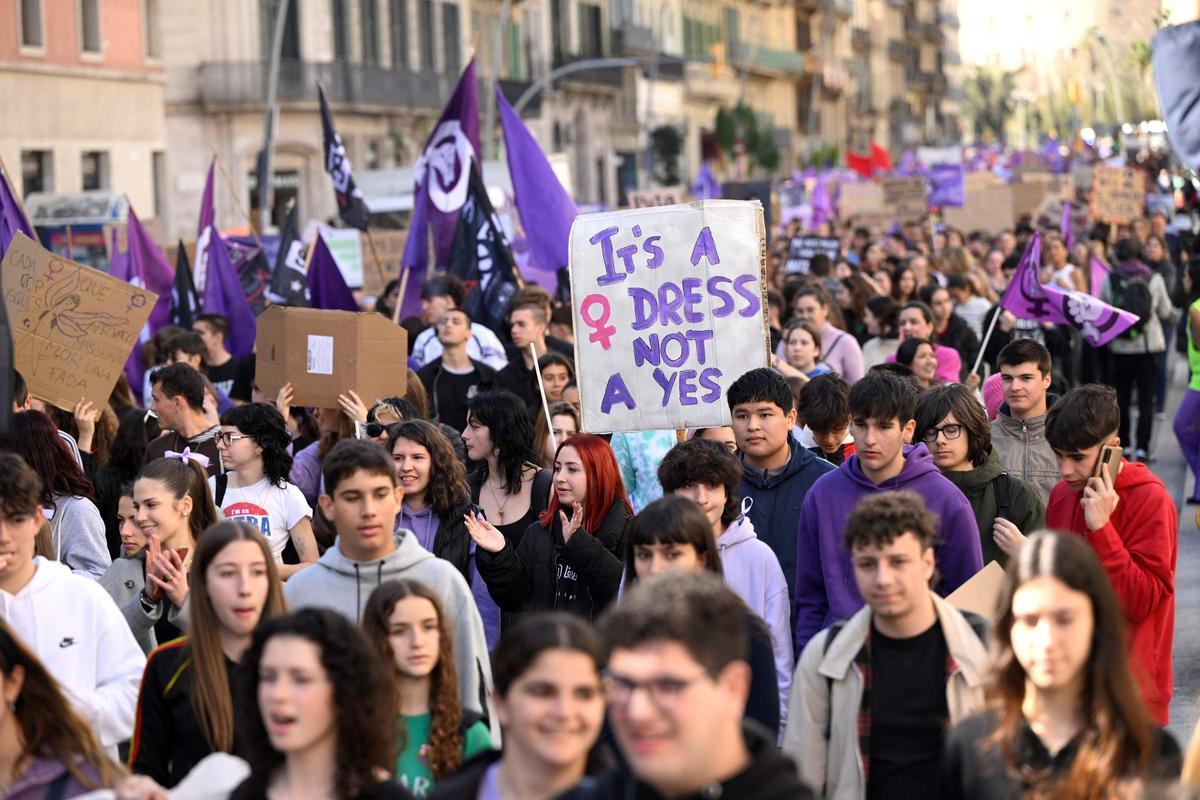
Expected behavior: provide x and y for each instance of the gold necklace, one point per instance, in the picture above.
(496, 499)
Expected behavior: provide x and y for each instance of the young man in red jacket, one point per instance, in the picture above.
(1130, 523)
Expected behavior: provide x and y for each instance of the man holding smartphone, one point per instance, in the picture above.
(1126, 515)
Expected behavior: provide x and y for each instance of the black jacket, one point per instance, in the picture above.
(431, 372)
(452, 542)
(529, 576)
(769, 776)
(958, 335)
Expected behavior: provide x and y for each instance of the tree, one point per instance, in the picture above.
(989, 101)
(667, 142)
(742, 124)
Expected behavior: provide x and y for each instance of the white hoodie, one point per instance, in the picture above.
(78, 633)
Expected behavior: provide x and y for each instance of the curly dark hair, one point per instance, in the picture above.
(36, 440)
(506, 418)
(708, 462)
(445, 724)
(364, 701)
(448, 487)
(956, 399)
(879, 518)
(263, 423)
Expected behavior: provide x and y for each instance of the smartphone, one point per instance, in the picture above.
(1110, 459)
(182, 552)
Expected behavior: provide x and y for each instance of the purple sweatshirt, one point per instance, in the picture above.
(752, 571)
(825, 587)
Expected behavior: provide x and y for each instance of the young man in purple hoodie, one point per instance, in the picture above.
(882, 407)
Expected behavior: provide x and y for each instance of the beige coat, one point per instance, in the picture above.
(833, 766)
(1024, 452)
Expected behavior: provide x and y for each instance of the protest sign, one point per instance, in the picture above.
(981, 594)
(988, 210)
(73, 326)
(389, 247)
(1118, 194)
(860, 198)
(905, 197)
(802, 249)
(653, 287)
(931, 156)
(1027, 197)
(651, 198)
(325, 353)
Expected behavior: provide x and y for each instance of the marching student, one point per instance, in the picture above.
(403, 621)
(954, 427)
(253, 442)
(316, 712)
(563, 562)
(69, 622)
(185, 704)
(882, 406)
(824, 405)
(1019, 429)
(177, 398)
(362, 500)
(1130, 522)
(550, 703)
(873, 694)
(454, 377)
(1066, 720)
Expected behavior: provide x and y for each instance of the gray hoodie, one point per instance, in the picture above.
(344, 585)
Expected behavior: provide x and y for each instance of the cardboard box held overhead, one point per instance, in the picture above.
(325, 353)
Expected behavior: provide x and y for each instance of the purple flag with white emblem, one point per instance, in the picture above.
(351, 206)
(947, 184)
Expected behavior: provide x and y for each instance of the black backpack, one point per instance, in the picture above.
(1133, 295)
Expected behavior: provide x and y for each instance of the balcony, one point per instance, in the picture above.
(860, 39)
(632, 40)
(609, 77)
(948, 19)
(898, 51)
(912, 29)
(769, 59)
(922, 81)
(238, 83)
(931, 32)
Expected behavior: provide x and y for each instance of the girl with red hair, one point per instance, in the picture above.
(570, 559)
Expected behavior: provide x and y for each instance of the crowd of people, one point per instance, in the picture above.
(455, 592)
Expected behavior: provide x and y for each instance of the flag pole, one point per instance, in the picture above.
(542, 388)
(236, 200)
(379, 267)
(404, 273)
(70, 245)
(987, 337)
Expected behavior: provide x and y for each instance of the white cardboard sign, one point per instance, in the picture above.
(669, 307)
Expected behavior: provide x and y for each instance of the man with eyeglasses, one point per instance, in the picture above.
(874, 695)
(677, 682)
(881, 420)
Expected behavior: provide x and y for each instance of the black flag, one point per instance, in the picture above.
(480, 256)
(184, 305)
(289, 284)
(351, 207)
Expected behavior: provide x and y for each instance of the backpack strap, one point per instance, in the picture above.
(1003, 486)
(57, 789)
(834, 630)
(222, 485)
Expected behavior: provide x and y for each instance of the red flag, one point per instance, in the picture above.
(860, 164)
(880, 159)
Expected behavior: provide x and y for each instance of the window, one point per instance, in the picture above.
(733, 33)
(370, 32)
(399, 31)
(804, 38)
(558, 28)
(89, 26)
(290, 48)
(514, 52)
(591, 32)
(37, 171)
(31, 23)
(451, 38)
(158, 166)
(341, 20)
(94, 170)
(151, 24)
(426, 28)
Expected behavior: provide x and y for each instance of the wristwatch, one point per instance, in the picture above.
(149, 605)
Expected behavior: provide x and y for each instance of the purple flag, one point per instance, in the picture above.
(1064, 226)
(946, 185)
(909, 165)
(12, 217)
(118, 267)
(223, 293)
(1099, 271)
(327, 288)
(1027, 298)
(546, 209)
(207, 207)
(148, 264)
(822, 203)
(706, 187)
(204, 230)
(442, 174)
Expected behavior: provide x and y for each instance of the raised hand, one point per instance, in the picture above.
(85, 420)
(353, 406)
(283, 400)
(169, 576)
(1099, 501)
(569, 526)
(484, 533)
(1007, 537)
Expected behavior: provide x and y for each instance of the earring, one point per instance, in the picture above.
(13, 706)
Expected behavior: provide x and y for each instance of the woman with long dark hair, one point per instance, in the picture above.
(254, 488)
(46, 749)
(403, 620)
(566, 561)
(76, 527)
(316, 712)
(1067, 719)
(879, 317)
(508, 485)
(185, 706)
(135, 430)
(547, 677)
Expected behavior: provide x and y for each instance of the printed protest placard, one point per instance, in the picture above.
(73, 326)
(905, 197)
(1118, 194)
(652, 198)
(802, 249)
(669, 311)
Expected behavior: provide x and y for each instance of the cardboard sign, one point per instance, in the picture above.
(860, 198)
(73, 327)
(1118, 194)
(988, 210)
(980, 594)
(802, 249)
(670, 310)
(905, 197)
(652, 198)
(389, 247)
(324, 353)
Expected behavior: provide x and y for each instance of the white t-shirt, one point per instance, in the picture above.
(272, 510)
